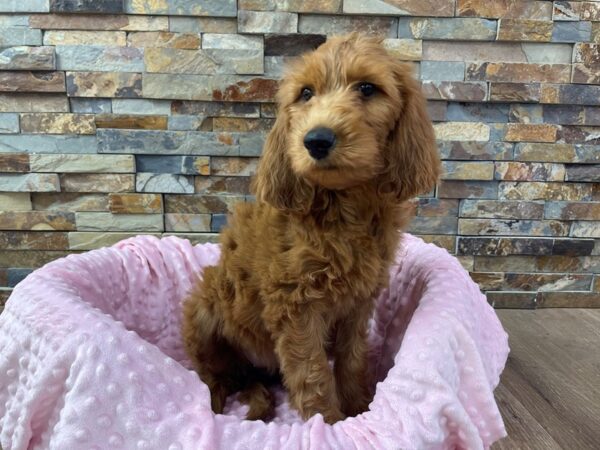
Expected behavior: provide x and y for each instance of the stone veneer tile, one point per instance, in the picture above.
(135, 203)
(125, 121)
(572, 210)
(33, 240)
(528, 171)
(57, 123)
(525, 190)
(104, 84)
(498, 9)
(27, 58)
(69, 201)
(386, 27)
(14, 162)
(164, 39)
(188, 222)
(31, 182)
(512, 227)
(73, 163)
(98, 22)
(526, 30)
(36, 143)
(23, 102)
(443, 29)
(21, 6)
(14, 36)
(25, 81)
(501, 209)
(86, 6)
(164, 182)
(92, 182)
(291, 45)
(15, 201)
(92, 221)
(91, 240)
(37, 220)
(99, 58)
(267, 22)
(466, 170)
(400, 7)
(455, 90)
(206, 61)
(222, 8)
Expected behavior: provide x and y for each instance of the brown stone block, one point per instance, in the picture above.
(36, 220)
(514, 92)
(525, 30)
(500, 9)
(57, 123)
(222, 185)
(14, 162)
(69, 201)
(201, 204)
(33, 240)
(435, 207)
(233, 166)
(573, 134)
(241, 125)
(131, 121)
(443, 241)
(257, 89)
(15, 81)
(511, 190)
(521, 171)
(519, 72)
(494, 209)
(518, 132)
(135, 203)
(586, 73)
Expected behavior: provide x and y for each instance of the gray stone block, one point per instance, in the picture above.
(87, 6)
(220, 8)
(27, 58)
(99, 58)
(218, 221)
(167, 183)
(9, 123)
(572, 32)
(12, 36)
(141, 106)
(150, 142)
(24, 6)
(477, 112)
(91, 105)
(447, 28)
(442, 71)
(58, 143)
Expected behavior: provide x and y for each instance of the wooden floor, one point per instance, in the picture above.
(549, 395)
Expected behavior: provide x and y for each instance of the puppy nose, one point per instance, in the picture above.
(319, 142)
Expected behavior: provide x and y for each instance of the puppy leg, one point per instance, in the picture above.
(215, 360)
(300, 348)
(351, 371)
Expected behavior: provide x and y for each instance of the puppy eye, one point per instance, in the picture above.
(306, 94)
(367, 89)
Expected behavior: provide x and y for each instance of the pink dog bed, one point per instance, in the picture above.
(91, 358)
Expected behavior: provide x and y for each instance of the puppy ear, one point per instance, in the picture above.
(412, 160)
(275, 182)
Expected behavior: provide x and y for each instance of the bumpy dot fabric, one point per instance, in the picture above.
(91, 358)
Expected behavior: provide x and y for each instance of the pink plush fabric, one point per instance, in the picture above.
(91, 358)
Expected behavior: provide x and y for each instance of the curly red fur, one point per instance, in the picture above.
(301, 267)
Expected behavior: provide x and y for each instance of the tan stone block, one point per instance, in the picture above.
(15, 201)
(206, 61)
(90, 240)
(518, 171)
(462, 131)
(58, 123)
(201, 204)
(222, 185)
(104, 84)
(518, 132)
(131, 122)
(304, 6)
(189, 41)
(115, 38)
(447, 242)
(233, 166)
(515, 190)
(91, 221)
(404, 49)
(462, 170)
(22, 81)
(512, 227)
(187, 222)
(36, 220)
(98, 22)
(514, 92)
(83, 163)
(135, 203)
(34, 103)
(32, 240)
(550, 94)
(14, 162)
(525, 30)
(69, 201)
(90, 182)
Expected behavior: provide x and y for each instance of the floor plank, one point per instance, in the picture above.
(552, 379)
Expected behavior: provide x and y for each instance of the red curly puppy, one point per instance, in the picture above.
(301, 267)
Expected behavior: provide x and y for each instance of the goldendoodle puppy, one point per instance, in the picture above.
(301, 267)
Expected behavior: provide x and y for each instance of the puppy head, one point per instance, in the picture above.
(348, 114)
